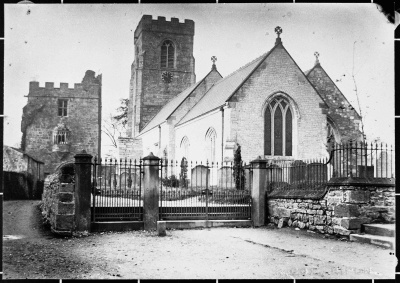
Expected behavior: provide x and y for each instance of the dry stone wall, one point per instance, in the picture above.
(342, 210)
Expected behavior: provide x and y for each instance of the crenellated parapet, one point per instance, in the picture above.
(89, 86)
(60, 121)
(162, 25)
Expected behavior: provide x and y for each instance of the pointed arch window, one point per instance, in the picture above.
(211, 137)
(185, 147)
(167, 54)
(278, 128)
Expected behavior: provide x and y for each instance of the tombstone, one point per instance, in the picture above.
(199, 175)
(317, 173)
(384, 166)
(247, 177)
(273, 176)
(297, 172)
(225, 178)
(365, 171)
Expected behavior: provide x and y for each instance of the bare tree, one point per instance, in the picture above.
(114, 126)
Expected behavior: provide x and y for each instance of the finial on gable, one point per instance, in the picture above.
(214, 59)
(316, 54)
(278, 31)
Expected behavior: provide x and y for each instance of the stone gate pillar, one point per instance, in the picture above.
(83, 188)
(258, 208)
(151, 192)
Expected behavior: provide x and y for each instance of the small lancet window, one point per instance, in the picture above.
(167, 54)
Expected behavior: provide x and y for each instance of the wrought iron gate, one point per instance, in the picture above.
(195, 191)
(116, 190)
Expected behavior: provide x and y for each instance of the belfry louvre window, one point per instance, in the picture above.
(167, 54)
(62, 107)
(278, 128)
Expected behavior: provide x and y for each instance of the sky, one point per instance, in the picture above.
(58, 43)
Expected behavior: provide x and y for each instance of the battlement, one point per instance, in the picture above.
(34, 86)
(89, 78)
(162, 25)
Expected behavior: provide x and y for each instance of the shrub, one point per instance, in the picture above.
(170, 181)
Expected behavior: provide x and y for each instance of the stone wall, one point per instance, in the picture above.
(277, 75)
(342, 210)
(23, 175)
(58, 205)
(41, 117)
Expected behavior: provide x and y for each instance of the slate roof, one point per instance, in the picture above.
(340, 92)
(170, 107)
(218, 94)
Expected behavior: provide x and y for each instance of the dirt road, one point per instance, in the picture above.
(29, 251)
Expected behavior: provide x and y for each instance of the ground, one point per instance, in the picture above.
(30, 251)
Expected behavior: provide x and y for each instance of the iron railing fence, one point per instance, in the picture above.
(298, 175)
(196, 190)
(359, 159)
(116, 190)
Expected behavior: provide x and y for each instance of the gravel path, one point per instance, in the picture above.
(32, 252)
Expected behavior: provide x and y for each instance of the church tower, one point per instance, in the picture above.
(163, 67)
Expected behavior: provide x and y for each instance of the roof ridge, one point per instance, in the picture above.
(241, 68)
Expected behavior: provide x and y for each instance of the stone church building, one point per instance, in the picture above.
(270, 107)
(58, 123)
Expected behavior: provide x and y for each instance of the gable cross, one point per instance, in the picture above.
(316, 54)
(278, 31)
(213, 59)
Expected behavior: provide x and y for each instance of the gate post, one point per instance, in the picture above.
(83, 188)
(151, 192)
(258, 208)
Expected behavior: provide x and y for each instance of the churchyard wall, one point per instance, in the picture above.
(340, 210)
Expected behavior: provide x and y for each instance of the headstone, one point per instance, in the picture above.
(200, 176)
(225, 178)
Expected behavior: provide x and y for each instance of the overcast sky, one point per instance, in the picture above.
(58, 43)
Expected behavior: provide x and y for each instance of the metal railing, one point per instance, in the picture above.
(116, 190)
(363, 160)
(191, 190)
(299, 174)
(352, 160)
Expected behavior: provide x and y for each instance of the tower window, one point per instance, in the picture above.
(167, 54)
(61, 134)
(62, 107)
(278, 128)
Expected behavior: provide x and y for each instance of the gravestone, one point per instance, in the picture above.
(225, 178)
(200, 176)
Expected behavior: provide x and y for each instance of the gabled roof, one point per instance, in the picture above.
(223, 89)
(21, 151)
(335, 86)
(167, 110)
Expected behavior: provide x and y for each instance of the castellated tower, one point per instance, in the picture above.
(58, 123)
(163, 67)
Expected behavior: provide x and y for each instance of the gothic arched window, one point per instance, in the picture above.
(332, 135)
(185, 147)
(167, 54)
(278, 128)
(211, 137)
(61, 134)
